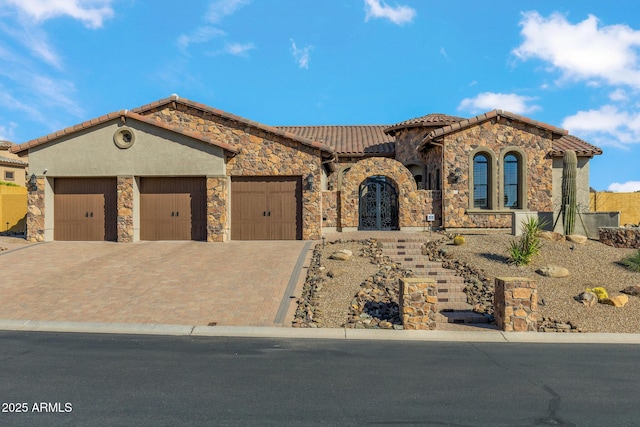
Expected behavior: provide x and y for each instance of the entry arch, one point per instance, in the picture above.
(378, 204)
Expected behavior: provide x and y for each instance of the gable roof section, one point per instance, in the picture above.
(123, 114)
(560, 145)
(359, 140)
(5, 145)
(223, 114)
(430, 120)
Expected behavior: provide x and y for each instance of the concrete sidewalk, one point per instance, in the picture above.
(328, 333)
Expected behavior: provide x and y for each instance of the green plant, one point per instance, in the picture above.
(9, 184)
(569, 186)
(458, 240)
(523, 250)
(600, 292)
(632, 262)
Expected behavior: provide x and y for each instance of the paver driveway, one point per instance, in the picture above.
(187, 283)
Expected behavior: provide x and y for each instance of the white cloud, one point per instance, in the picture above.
(606, 126)
(216, 12)
(238, 49)
(91, 13)
(399, 15)
(443, 52)
(200, 35)
(585, 51)
(302, 56)
(7, 133)
(625, 187)
(221, 8)
(500, 101)
(618, 95)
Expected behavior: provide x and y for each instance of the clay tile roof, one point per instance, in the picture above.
(266, 128)
(359, 140)
(114, 115)
(559, 146)
(430, 120)
(12, 162)
(570, 142)
(5, 145)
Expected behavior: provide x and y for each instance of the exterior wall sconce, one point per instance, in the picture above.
(310, 181)
(455, 175)
(33, 182)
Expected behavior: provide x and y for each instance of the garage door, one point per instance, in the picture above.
(266, 208)
(85, 209)
(173, 209)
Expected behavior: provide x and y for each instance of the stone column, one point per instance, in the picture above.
(418, 299)
(35, 211)
(217, 222)
(516, 304)
(125, 209)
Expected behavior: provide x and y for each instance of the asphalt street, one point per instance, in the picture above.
(95, 379)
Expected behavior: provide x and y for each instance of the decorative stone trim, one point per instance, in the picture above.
(217, 222)
(125, 209)
(516, 304)
(35, 212)
(620, 237)
(418, 300)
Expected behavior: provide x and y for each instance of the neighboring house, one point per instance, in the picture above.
(12, 168)
(176, 169)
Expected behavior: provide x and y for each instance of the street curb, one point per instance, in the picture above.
(320, 333)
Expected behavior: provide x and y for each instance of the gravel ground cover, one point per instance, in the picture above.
(591, 264)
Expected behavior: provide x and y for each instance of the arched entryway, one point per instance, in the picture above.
(378, 204)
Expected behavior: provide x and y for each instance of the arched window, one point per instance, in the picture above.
(511, 181)
(481, 181)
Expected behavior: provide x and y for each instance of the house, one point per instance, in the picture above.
(177, 169)
(12, 168)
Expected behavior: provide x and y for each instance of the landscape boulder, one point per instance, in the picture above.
(617, 301)
(551, 235)
(342, 255)
(336, 272)
(587, 298)
(553, 271)
(633, 290)
(576, 238)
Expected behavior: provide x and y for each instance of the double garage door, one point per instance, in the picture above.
(170, 209)
(266, 208)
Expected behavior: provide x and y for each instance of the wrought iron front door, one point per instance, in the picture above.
(378, 204)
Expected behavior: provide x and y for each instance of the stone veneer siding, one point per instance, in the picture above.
(217, 216)
(498, 137)
(125, 209)
(330, 208)
(35, 212)
(406, 144)
(262, 154)
(414, 204)
(620, 237)
(418, 303)
(516, 304)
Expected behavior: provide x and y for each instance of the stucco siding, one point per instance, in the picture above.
(155, 152)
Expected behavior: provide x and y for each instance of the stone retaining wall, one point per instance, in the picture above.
(620, 237)
(418, 300)
(516, 304)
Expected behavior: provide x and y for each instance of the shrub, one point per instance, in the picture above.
(600, 292)
(523, 250)
(458, 240)
(9, 184)
(632, 262)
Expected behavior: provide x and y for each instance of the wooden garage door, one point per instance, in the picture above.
(266, 208)
(85, 209)
(173, 209)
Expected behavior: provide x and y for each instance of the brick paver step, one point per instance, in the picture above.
(454, 306)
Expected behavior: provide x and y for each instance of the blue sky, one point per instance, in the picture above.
(573, 63)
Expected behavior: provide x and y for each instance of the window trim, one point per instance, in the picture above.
(11, 178)
(522, 178)
(491, 184)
